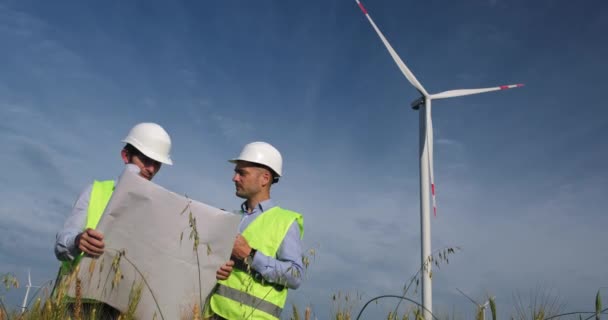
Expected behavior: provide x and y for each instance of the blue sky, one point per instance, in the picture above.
(521, 176)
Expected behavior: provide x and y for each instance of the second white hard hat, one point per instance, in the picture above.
(152, 140)
(262, 153)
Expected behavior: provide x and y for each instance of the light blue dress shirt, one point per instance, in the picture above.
(286, 268)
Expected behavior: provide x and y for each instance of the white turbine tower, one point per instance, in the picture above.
(483, 307)
(426, 158)
(27, 290)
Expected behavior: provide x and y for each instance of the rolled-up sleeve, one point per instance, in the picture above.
(65, 248)
(286, 269)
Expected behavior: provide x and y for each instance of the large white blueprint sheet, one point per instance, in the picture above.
(155, 228)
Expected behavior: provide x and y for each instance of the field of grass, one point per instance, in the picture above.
(57, 306)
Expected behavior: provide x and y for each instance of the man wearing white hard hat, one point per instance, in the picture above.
(147, 147)
(266, 257)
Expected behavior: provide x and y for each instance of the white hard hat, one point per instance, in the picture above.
(151, 140)
(262, 153)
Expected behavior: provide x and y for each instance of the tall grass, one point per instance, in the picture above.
(56, 306)
(540, 306)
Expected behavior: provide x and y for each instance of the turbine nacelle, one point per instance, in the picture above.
(418, 102)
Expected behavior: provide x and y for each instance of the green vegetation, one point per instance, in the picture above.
(58, 306)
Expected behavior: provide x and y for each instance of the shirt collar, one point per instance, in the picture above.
(261, 207)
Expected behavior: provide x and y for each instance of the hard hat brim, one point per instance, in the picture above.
(269, 168)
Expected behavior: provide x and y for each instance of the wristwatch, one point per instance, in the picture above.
(249, 259)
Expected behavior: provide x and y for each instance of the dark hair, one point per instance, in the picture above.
(131, 150)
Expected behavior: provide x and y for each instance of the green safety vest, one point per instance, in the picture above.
(100, 196)
(243, 297)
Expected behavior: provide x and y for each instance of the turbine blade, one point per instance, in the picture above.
(429, 143)
(29, 278)
(404, 69)
(466, 92)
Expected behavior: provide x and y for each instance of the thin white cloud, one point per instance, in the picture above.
(233, 128)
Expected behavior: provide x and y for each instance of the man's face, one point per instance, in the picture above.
(148, 168)
(249, 180)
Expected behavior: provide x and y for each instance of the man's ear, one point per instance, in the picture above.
(267, 177)
(125, 155)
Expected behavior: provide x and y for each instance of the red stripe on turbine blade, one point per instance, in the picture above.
(435, 211)
(362, 7)
(433, 188)
(511, 86)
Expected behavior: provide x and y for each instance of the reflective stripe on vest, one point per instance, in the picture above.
(100, 196)
(249, 300)
(243, 297)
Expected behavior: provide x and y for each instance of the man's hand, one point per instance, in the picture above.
(224, 271)
(241, 248)
(90, 242)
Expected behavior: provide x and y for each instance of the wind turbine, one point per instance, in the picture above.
(479, 305)
(426, 158)
(27, 290)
